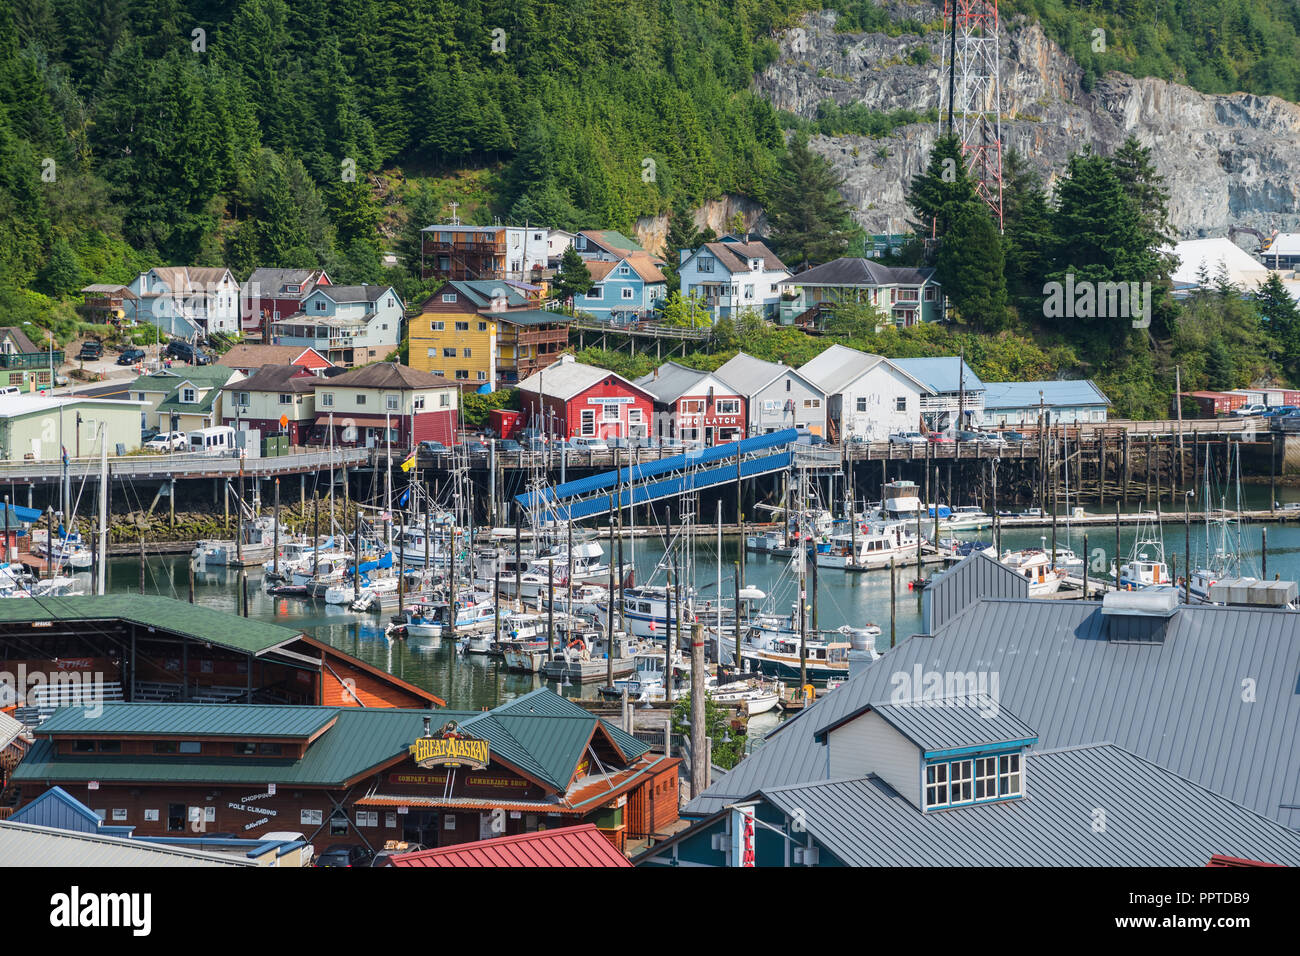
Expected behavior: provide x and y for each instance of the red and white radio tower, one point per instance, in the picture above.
(970, 96)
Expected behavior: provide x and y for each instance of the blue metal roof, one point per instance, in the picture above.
(1055, 394)
(941, 374)
(639, 473)
(19, 515)
(1179, 703)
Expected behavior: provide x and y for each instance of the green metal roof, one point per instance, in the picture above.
(361, 738)
(178, 617)
(532, 317)
(190, 720)
(172, 403)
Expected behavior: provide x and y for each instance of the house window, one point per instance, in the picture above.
(433, 353)
(704, 264)
(462, 373)
(609, 412)
(787, 385)
(320, 306)
(394, 402)
(361, 398)
(595, 293)
(959, 784)
(190, 747)
(465, 353)
(327, 399)
(286, 399)
(462, 326)
(629, 292)
(482, 326)
(449, 297)
(929, 294)
(241, 399)
(482, 376)
(728, 406)
(986, 778)
(1009, 775)
(437, 326)
(622, 270)
(189, 396)
(936, 785)
(862, 403)
(634, 416)
(418, 403)
(588, 421)
(444, 400)
(692, 406)
(448, 353)
(900, 403)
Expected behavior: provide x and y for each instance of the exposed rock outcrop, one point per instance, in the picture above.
(1226, 159)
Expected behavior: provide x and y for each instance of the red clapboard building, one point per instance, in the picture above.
(273, 294)
(694, 406)
(571, 400)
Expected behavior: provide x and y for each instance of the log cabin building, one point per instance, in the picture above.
(359, 775)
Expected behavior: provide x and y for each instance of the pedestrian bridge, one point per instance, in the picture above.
(657, 480)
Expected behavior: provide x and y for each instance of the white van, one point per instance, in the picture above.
(218, 440)
(589, 444)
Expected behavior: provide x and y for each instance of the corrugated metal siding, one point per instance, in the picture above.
(568, 846)
(952, 722)
(24, 845)
(223, 720)
(973, 577)
(1152, 817)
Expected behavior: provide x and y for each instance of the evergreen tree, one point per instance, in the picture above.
(970, 269)
(574, 278)
(682, 234)
(1027, 237)
(809, 217)
(939, 193)
(62, 273)
(1281, 316)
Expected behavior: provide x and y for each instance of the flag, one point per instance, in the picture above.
(406, 496)
(409, 463)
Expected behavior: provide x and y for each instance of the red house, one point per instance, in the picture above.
(694, 406)
(385, 403)
(271, 294)
(572, 400)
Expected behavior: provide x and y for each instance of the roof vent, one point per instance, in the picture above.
(1141, 616)
(1248, 592)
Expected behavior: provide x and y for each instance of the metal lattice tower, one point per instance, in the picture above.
(970, 94)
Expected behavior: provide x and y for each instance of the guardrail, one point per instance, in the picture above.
(184, 465)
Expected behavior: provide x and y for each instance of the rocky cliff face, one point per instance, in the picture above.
(1227, 160)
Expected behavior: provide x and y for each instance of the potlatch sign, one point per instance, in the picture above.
(450, 752)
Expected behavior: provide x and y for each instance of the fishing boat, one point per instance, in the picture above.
(258, 545)
(1035, 566)
(645, 609)
(295, 555)
(871, 549)
(752, 696)
(821, 660)
(1146, 565)
(967, 518)
(766, 542)
(68, 549)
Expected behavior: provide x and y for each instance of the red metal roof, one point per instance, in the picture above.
(569, 846)
(1221, 860)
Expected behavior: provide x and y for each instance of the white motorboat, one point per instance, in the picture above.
(1035, 566)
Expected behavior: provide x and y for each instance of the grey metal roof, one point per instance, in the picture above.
(22, 844)
(858, 272)
(839, 366)
(938, 725)
(748, 375)
(1215, 701)
(1152, 817)
(671, 381)
(973, 577)
(10, 729)
(1054, 394)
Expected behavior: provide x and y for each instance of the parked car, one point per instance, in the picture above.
(1012, 436)
(306, 852)
(588, 444)
(91, 351)
(1255, 409)
(344, 854)
(509, 445)
(939, 437)
(981, 438)
(168, 441)
(907, 438)
(434, 447)
(1281, 411)
(391, 849)
(476, 447)
(147, 434)
(131, 356)
(188, 353)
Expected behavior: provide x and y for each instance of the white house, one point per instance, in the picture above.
(776, 396)
(732, 275)
(348, 324)
(185, 301)
(868, 397)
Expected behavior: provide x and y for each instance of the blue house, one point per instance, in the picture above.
(59, 809)
(631, 287)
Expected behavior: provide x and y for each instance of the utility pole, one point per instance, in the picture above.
(699, 741)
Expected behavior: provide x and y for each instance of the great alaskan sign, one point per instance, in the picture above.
(450, 748)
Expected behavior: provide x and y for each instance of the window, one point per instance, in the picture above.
(164, 747)
(482, 326)
(462, 326)
(110, 746)
(286, 399)
(986, 778)
(361, 398)
(936, 785)
(437, 326)
(609, 412)
(83, 746)
(634, 416)
(394, 402)
(448, 353)
(623, 270)
(462, 373)
(929, 293)
(959, 784)
(338, 823)
(139, 396)
(327, 399)
(245, 748)
(433, 353)
(175, 817)
(444, 400)
(900, 403)
(595, 293)
(367, 818)
(241, 399)
(449, 297)
(465, 352)
(862, 403)
(482, 376)
(190, 747)
(1009, 775)
(629, 292)
(588, 417)
(189, 396)
(704, 264)
(787, 385)
(417, 404)
(728, 406)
